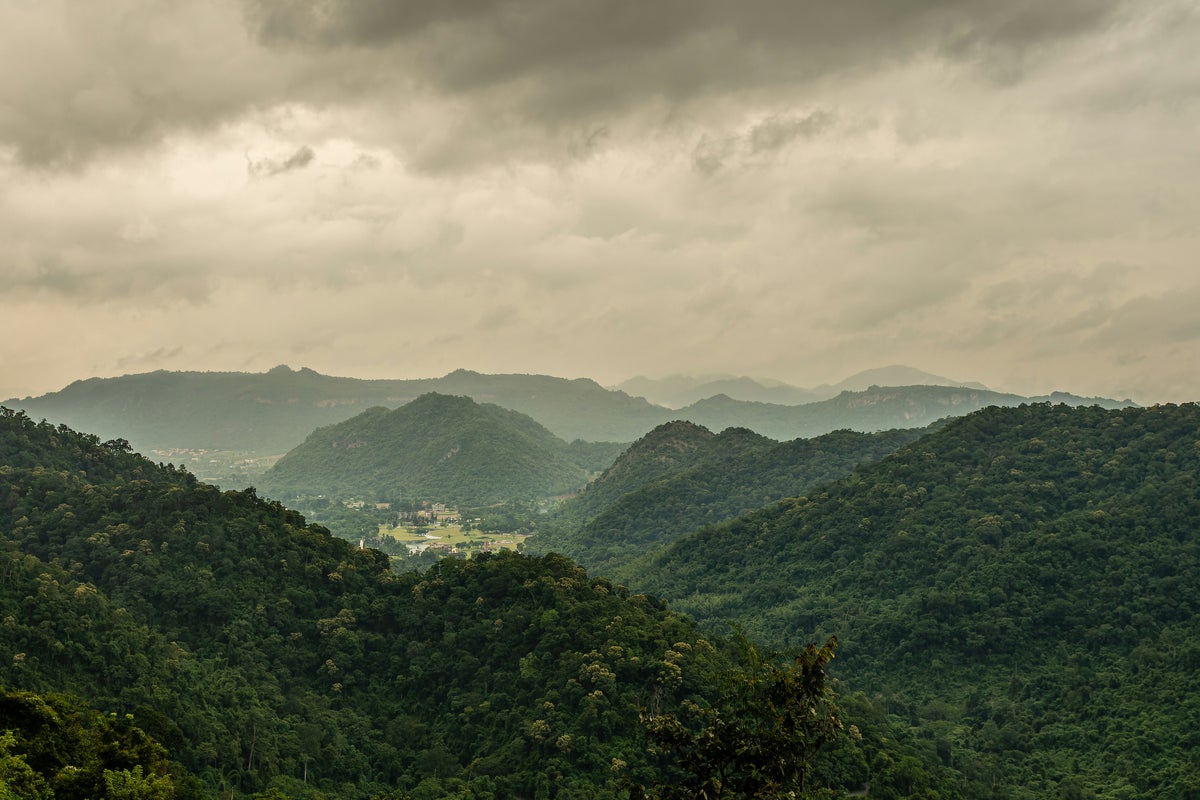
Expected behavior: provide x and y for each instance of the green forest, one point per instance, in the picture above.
(681, 477)
(1001, 606)
(438, 447)
(244, 653)
(1022, 585)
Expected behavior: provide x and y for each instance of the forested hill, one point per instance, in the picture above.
(162, 639)
(666, 505)
(669, 449)
(1027, 579)
(438, 447)
(262, 652)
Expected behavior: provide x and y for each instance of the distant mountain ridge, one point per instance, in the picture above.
(678, 391)
(873, 409)
(270, 413)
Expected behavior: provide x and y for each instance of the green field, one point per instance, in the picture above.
(453, 535)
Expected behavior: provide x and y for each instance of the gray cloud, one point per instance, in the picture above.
(780, 130)
(982, 189)
(99, 77)
(763, 140)
(500, 41)
(267, 167)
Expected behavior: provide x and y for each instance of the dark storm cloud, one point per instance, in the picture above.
(677, 46)
(101, 77)
(533, 77)
(87, 78)
(821, 187)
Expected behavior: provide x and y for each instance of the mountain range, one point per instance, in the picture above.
(1015, 592)
(678, 391)
(267, 414)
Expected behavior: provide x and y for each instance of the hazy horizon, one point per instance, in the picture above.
(696, 379)
(796, 191)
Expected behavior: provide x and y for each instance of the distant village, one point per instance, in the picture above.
(432, 515)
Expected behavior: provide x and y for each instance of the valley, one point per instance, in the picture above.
(479, 608)
(621, 400)
(452, 538)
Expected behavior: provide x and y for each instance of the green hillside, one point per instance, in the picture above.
(671, 448)
(438, 447)
(160, 639)
(668, 504)
(1024, 583)
(262, 652)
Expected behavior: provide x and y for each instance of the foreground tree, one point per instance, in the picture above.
(758, 741)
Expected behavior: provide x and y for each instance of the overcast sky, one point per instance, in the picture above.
(1006, 192)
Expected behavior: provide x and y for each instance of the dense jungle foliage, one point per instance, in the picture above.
(669, 449)
(1023, 585)
(438, 447)
(681, 477)
(55, 747)
(269, 659)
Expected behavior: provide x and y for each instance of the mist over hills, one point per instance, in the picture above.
(678, 391)
(267, 414)
(873, 409)
(274, 411)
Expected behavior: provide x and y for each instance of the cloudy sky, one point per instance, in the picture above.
(1006, 192)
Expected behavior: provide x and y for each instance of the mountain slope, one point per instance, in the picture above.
(273, 661)
(670, 448)
(1028, 579)
(264, 653)
(664, 509)
(438, 447)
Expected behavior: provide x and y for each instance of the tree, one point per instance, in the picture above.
(759, 741)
